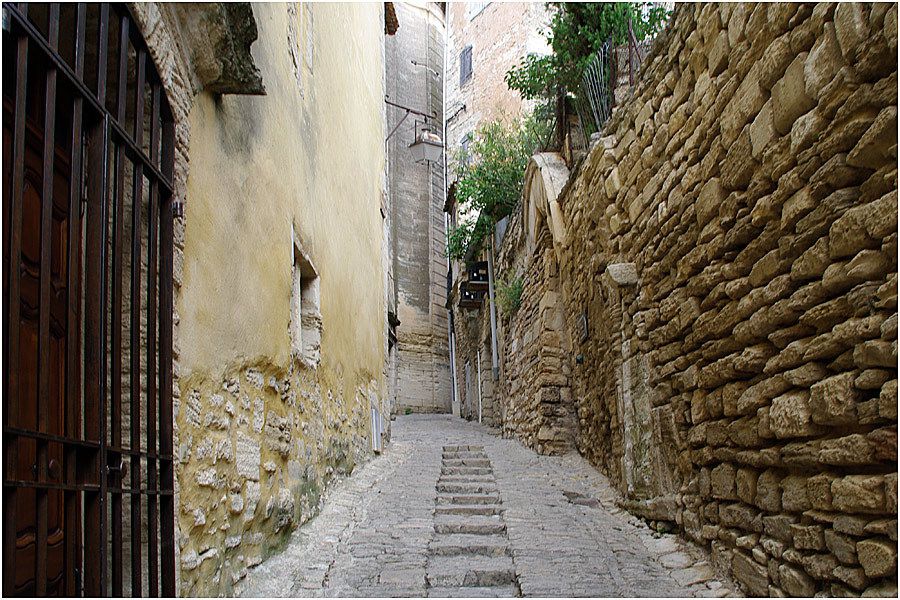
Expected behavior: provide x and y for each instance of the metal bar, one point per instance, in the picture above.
(73, 338)
(95, 353)
(152, 416)
(167, 474)
(137, 194)
(116, 324)
(37, 435)
(121, 135)
(11, 309)
(44, 351)
(102, 52)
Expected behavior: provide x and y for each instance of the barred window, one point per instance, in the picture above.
(465, 65)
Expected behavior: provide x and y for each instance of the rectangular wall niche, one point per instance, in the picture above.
(306, 318)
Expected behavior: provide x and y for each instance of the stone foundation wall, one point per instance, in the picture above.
(731, 242)
(255, 453)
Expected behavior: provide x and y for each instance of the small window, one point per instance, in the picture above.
(465, 65)
(306, 318)
(466, 155)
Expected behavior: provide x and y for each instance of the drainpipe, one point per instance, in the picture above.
(451, 338)
(495, 368)
(454, 384)
(478, 372)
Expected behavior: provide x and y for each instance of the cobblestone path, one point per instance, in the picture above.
(451, 509)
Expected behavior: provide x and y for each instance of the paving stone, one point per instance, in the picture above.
(383, 531)
(470, 571)
(463, 543)
(467, 509)
(503, 591)
(477, 525)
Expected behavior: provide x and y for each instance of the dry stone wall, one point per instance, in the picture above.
(731, 243)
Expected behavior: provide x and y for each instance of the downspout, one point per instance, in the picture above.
(495, 368)
(478, 373)
(451, 337)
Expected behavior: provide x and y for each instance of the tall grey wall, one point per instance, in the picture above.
(414, 62)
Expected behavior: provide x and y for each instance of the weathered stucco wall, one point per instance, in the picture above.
(259, 434)
(732, 243)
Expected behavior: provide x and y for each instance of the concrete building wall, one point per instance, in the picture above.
(415, 59)
(278, 189)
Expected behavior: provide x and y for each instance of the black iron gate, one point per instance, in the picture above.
(87, 306)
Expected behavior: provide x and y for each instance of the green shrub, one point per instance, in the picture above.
(509, 295)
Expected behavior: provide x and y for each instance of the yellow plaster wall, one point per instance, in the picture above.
(259, 436)
(309, 154)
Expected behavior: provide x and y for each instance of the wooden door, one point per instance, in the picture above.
(87, 228)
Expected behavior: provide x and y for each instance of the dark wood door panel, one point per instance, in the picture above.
(73, 117)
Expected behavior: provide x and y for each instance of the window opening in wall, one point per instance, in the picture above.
(466, 155)
(465, 65)
(475, 8)
(306, 318)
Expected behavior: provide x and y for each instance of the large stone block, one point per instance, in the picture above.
(808, 537)
(789, 97)
(859, 494)
(791, 415)
(842, 546)
(722, 480)
(794, 496)
(878, 557)
(822, 63)
(752, 576)
(762, 130)
(834, 400)
(795, 582)
(768, 491)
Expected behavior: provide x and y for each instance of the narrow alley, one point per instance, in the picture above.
(452, 509)
(449, 299)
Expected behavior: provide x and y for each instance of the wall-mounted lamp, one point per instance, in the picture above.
(427, 147)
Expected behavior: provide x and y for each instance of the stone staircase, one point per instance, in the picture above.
(469, 555)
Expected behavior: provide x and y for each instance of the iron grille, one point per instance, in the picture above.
(88, 140)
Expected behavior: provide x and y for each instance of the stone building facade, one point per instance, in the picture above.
(419, 374)
(484, 41)
(281, 316)
(709, 311)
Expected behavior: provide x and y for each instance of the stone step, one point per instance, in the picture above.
(466, 471)
(468, 509)
(468, 499)
(466, 462)
(463, 448)
(467, 479)
(476, 524)
(502, 591)
(453, 544)
(470, 571)
(463, 455)
(467, 488)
